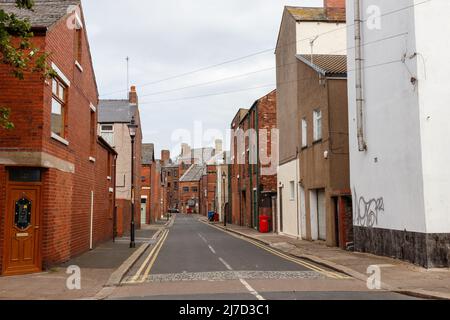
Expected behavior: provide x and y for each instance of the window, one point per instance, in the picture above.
(304, 133)
(185, 189)
(58, 108)
(168, 173)
(175, 186)
(194, 189)
(168, 185)
(78, 44)
(317, 125)
(93, 132)
(107, 132)
(292, 190)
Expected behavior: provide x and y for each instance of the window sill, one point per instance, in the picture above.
(317, 141)
(59, 139)
(78, 65)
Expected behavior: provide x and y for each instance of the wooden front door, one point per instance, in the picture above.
(22, 230)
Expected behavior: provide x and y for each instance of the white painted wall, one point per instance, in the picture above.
(434, 100)
(290, 211)
(332, 38)
(404, 175)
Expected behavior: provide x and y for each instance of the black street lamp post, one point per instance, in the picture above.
(132, 127)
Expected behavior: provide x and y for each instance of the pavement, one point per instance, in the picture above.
(192, 260)
(96, 266)
(396, 276)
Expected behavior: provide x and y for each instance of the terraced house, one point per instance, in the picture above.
(56, 174)
(114, 116)
(303, 31)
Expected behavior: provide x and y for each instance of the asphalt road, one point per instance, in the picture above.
(195, 261)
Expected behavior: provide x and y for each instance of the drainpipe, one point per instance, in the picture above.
(91, 233)
(114, 179)
(257, 165)
(362, 146)
(229, 211)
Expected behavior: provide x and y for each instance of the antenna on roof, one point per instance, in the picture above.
(311, 43)
(128, 73)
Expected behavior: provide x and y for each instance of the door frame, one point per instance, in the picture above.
(7, 225)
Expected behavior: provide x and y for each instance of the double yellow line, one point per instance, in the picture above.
(298, 261)
(142, 275)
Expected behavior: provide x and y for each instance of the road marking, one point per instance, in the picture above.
(226, 264)
(139, 272)
(329, 274)
(203, 238)
(212, 249)
(149, 268)
(245, 283)
(251, 290)
(298, 261)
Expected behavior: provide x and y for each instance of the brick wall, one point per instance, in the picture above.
(2, 210)
(155, 208)
(245, 176)
(66, 197)
(186, 196)
(335, 9)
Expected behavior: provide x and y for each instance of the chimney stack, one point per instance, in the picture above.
(165, 156)
(132, 96)
(219, 146)
(335, 8)
(185, 150)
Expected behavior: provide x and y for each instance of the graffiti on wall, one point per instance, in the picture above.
(368, 211)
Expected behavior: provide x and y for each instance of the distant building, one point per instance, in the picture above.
(151, 186)
(236, 172)
(170, 176)
(254, 162)
(190, 189)
(114, 117)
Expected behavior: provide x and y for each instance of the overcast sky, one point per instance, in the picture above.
(166, 38)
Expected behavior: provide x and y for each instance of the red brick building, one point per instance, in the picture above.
(253, 162)
(114, 117)
(190, 189)
(56, 176)
(208, 185)
(151, 186)
(170, 176)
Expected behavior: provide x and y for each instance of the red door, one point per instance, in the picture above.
(22, 230)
